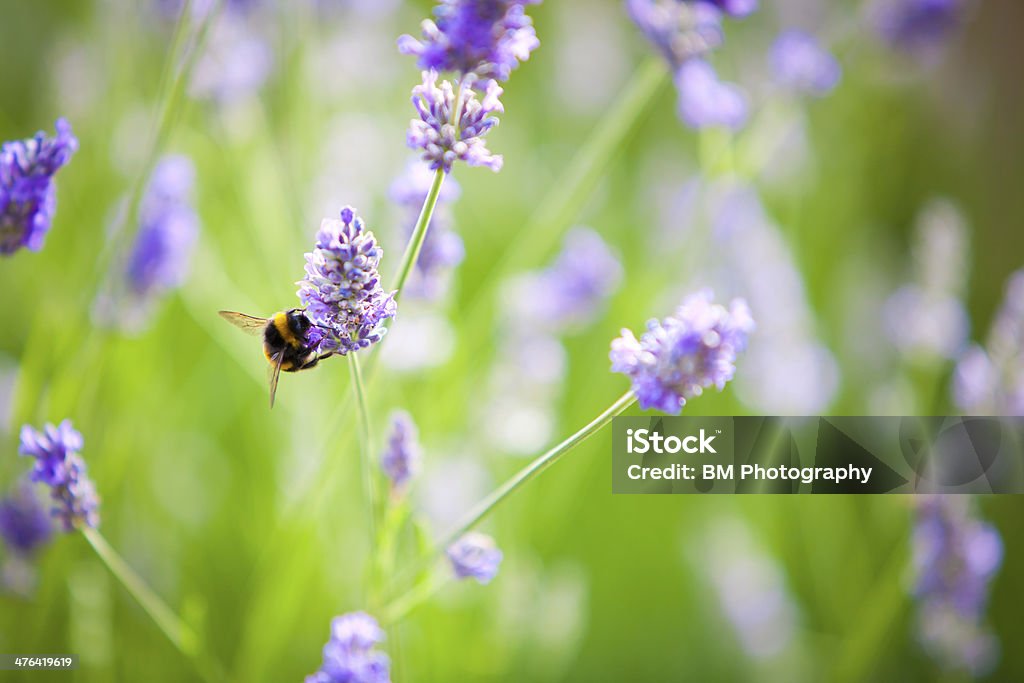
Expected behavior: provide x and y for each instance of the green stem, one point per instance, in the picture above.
(362, 406)
(404, 605)
(487, 505)
(183, 637)
(419, 234)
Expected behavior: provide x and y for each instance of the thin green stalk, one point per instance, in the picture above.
(404, 605)
(487, 505)
(419, 234)
(362, 406)
(563, 202)
(180, 635)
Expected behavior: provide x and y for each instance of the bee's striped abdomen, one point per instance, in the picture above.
(284, 330)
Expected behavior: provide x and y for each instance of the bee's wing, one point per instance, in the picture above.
(275, 373)
(247, 323)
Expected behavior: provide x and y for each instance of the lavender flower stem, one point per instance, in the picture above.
(183, 637)
(362, 406)
(484, 507)
(562, 204)
(419, 234)
(419, 594)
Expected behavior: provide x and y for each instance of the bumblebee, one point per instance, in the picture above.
(285, 341)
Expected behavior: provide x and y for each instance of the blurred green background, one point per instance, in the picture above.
(251, 523)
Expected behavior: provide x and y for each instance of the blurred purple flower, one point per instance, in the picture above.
(679, 30)
(24, 522)
(955, 558)
(59, 466)
(734, 8)
(571, 291)
(800, 62)
(705, 101)
(475, 556)
(401, 459)
(687, 352)
(349, 656)
(991, 379)
(487, 38)
(442, 142)
(342, 289)
(169, 227)
(442, 249)
(916, 25)
(28, 195)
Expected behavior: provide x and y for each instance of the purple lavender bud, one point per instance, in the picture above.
(349, 656)
(990, 380)
(705, 101)
(679, 30)
(442, 249)
(679, 357)
(341, 290)
(28, 195)
(236, 63)
(734, 8)
(401, 458)
(59, 466)
(571, 291)
(801, 63)
(915, 25)
(476, 556)
(484, 37)
(24, 522)
(955, 558)
(443, 143)
(168, 230)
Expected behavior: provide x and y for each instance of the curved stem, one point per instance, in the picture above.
(362, 406)
(404, 605)
(176, 630)
(419, 234)
(487, 505)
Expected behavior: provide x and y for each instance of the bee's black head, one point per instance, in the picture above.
(298, 321)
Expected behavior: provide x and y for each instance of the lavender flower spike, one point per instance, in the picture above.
(705, 101)
(476, 556)
(442, 142)
(24, 522)
(350, 655)
(168, 230)
(801, 63)
(401, 458)
(955, 558)
(59, 466)
(679, 357)
(679, 30)
(28, 195)
(484, 37)
(341, 290)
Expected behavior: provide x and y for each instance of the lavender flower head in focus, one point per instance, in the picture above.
(801, 63)
(955, 558)
(58, 465)
(28, 195)
(475, 556)
(484, 37)
(443, 141)
(442, 249)
(341, 290)
(24, 522)
(350, 656)
(687, 352)
(401, 459)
